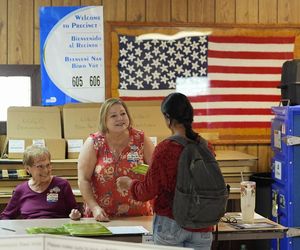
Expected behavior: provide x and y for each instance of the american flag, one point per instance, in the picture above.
(242, 74)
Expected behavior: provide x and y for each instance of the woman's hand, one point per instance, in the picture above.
(99, 214)
(75, 214)
(123, 184)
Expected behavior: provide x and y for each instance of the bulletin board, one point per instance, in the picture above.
(114, 30)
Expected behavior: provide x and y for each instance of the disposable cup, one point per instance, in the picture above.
(248, 191)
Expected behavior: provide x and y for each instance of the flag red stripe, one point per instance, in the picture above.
(232, 111)
(250, 39)
(232, 98)
(250, 55)
(232, 125)
(246, 70)
(243, 84)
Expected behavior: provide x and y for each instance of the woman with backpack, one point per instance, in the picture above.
(160, 180)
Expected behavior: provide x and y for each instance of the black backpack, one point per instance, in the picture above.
(201, 194)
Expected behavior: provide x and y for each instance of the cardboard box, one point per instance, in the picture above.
(147, 116)
(38, 125)
(34, 122)
(79, 120)
(56, 147)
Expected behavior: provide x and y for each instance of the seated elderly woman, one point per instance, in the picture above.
(43, 195)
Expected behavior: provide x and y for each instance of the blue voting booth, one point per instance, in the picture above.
(285, 144)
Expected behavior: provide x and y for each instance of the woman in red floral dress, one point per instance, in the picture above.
(107, 154)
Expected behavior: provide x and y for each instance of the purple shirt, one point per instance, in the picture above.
(56, 201)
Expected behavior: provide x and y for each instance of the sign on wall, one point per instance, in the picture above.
(72, 54)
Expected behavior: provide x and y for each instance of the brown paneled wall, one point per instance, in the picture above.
(19, 28)
(19, 19)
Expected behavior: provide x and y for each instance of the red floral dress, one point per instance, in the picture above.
(108, 169)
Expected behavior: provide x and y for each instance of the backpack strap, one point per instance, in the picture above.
(184, 141)
(179, 139)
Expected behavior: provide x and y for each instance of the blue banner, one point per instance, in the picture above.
(72, 54)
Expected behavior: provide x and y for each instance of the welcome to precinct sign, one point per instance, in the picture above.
(72, 54)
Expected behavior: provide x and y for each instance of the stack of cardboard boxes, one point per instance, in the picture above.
(64, 129)
(34, 125)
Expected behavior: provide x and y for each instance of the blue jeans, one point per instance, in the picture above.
(167, 232)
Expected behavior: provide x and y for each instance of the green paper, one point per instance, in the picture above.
(75, 229)
(140, 169)
(47, 230)
(86, 229)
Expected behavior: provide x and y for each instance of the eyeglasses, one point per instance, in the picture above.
(41, 166)
(228, 219)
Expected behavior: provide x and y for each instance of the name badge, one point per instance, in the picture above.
(52, 197)
(133, 157)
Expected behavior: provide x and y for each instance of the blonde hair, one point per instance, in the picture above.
(104, 110)
(33, 152)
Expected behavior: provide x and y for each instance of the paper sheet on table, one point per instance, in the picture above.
(253, 226)
(128, 230)
(238, 216)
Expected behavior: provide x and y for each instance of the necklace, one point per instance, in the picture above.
(116, 146)
(116, 154)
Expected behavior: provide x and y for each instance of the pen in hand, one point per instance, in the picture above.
(8, 229)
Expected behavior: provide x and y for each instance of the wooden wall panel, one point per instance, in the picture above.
(136, 10)
(179, 10)
(2, 142)
(248, 149)
(224, 147)
(247, 11)
(267, 10)
(225, 11)
(36, 41)
(202, 11)
(264, 158)
(91, 2)
(114, 10)
(20, 32)
(3, 32)
(288, 11)
(65, 2)
(158, 10)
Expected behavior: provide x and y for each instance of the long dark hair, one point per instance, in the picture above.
(177, 106)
